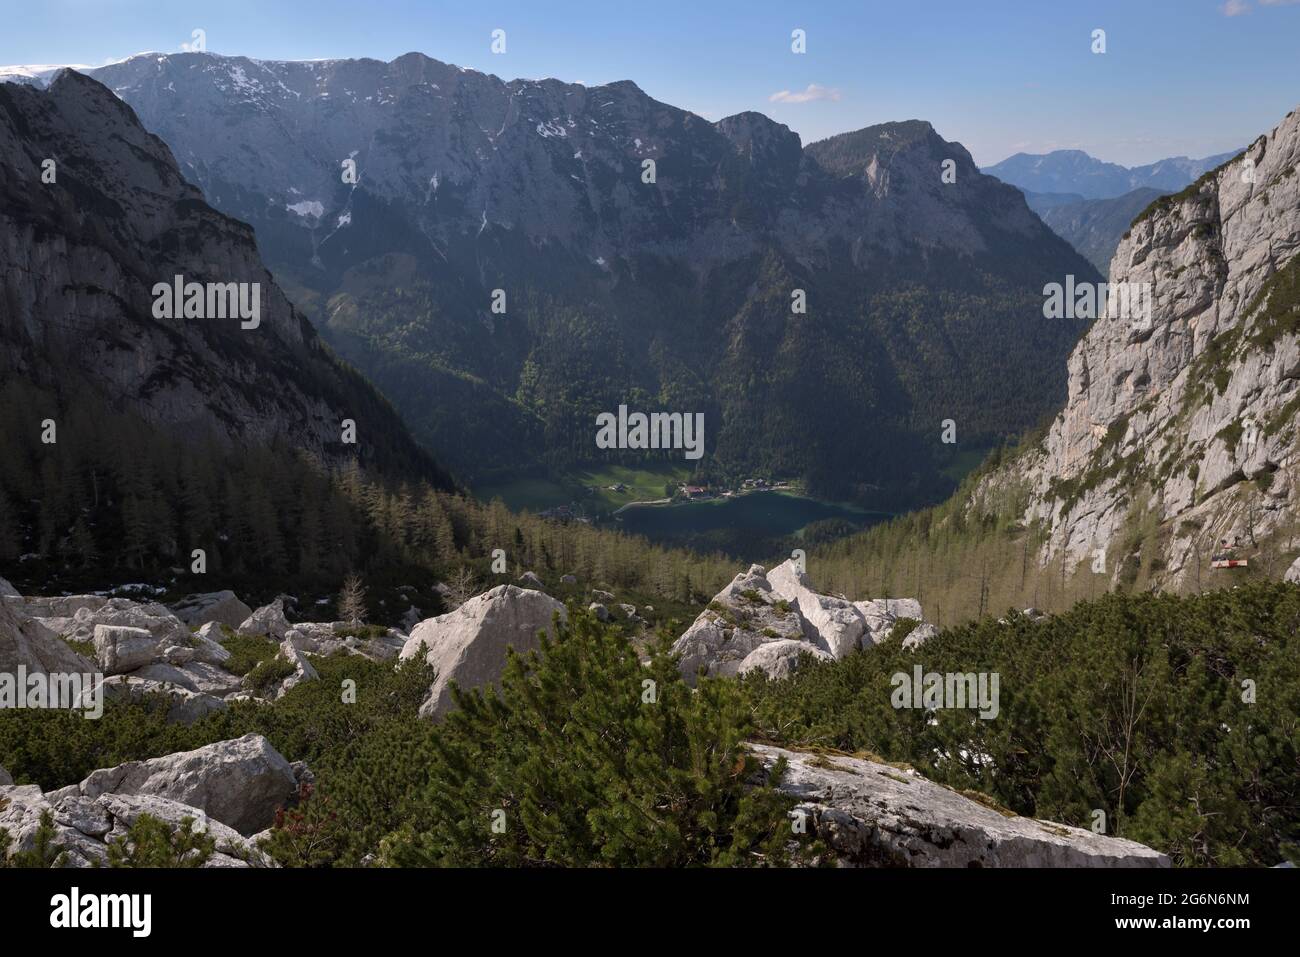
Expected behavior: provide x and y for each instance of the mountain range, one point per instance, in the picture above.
(1074, 171)
(515, 258)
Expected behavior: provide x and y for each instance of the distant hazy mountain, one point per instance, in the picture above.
(1074, 171)
(923, 298)
(1093, 226)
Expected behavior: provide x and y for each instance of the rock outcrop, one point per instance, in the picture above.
(85, 827)
(781, 609)
(120, 649)
(743, 616)
(878, 815)
(329, 638)
(834, 624)
(469, 645)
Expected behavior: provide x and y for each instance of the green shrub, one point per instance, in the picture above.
(44, 852)
(150, 842)
(247, 652)
(263, 678)
(1130, 703)
(585, 757)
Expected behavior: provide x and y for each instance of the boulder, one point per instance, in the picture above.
(919, 636)
(569, 579)
(8, 591)
(220, 607)
(200, 647)
(269, 620)
(780, 659)
(196, 676)
(529, 580)
(30, 644)
(1293, 573)
(835, 624)
(599, 610)
(741, 617)
(240, 782)
(120, 649)
(5, 779)
(881, 613)
(876, 815)
(411, 617)
(469, 645)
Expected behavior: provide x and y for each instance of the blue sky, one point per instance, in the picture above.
(1190, 77)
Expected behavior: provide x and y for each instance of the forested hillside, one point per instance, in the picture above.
(116, 494)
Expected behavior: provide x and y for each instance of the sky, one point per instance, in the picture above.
(1178, 77)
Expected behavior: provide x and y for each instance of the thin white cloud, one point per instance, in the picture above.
(813, 92)
(1235, 8)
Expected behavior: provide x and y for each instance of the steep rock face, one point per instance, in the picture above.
(876, 815)
(1188, 422)
(679, 288)
(469, 645)
(79, 260)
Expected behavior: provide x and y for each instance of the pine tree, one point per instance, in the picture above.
(352, 600)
